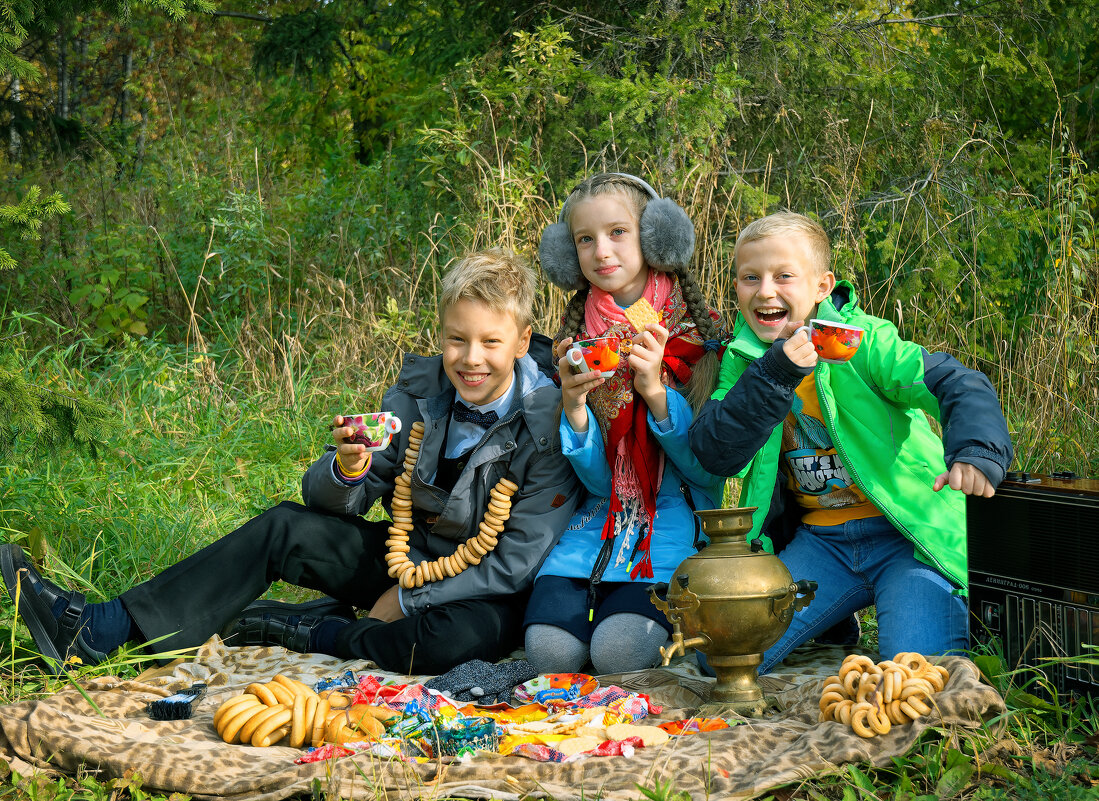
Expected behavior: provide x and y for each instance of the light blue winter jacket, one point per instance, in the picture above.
(685, 485)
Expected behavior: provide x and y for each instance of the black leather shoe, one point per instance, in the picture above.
(59, 639)
(288, 625)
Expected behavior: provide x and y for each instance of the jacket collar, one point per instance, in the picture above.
(423, 377)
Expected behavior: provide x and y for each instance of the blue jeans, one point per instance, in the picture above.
(864, 562)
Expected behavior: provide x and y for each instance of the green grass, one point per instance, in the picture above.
(202, 448)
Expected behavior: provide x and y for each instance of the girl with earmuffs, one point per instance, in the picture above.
(618, 241)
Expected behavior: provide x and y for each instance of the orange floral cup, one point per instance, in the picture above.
(834, 342)
(596, 355)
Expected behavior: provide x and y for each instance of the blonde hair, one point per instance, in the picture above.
(606, 184)
(496, 277)
(788, 222)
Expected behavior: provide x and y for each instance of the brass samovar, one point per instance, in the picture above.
(732, 600)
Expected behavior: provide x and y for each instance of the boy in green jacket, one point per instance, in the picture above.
(855, 491)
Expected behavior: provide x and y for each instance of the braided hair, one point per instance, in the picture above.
(704, 373)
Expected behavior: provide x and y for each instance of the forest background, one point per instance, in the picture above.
(221, 224)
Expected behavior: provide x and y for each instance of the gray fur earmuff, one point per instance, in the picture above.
(667, 240)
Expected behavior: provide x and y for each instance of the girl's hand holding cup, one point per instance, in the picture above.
(574, 388)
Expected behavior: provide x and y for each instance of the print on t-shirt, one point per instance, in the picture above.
(815, 473)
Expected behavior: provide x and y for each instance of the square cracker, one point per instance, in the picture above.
(640, 314)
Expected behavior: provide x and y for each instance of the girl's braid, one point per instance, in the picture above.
(697, 307)
(574, 314)
(704, 373)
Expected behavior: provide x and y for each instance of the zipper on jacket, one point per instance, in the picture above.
(601, 562)
(829, 419)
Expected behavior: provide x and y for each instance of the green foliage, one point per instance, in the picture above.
(26, 217)
(43, 407)
(303, 43)
(20, 19)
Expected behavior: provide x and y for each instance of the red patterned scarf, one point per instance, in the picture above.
(635, 458)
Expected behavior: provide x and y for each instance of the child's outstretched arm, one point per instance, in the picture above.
(976, 443)
(329, 485)
(734, 425)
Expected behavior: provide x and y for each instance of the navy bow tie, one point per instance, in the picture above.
(464, 414)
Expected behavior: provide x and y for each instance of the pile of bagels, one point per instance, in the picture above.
(267, 713)
(871, 698)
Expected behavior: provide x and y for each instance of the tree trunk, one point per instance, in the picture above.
(127, 71)
(15, 142)
(62, 75)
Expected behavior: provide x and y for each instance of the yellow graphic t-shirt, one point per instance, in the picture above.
(814, 471)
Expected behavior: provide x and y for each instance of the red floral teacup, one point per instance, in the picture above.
(834, 342)
(595, 355)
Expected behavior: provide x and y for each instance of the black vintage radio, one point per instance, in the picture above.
(1034, 574)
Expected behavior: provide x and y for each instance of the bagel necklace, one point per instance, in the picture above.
(470, 552)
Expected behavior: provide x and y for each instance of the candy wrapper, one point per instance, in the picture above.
(467, 736)
(322, 753)
(547, 753)
(556, 688)
(693, 725)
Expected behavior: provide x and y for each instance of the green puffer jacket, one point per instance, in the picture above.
(874, 407)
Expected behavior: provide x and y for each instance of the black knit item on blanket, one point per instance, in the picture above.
(483, 682)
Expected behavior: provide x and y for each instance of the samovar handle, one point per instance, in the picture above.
(658, 594)
(793, 599)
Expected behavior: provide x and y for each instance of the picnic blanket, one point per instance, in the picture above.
(63, 733)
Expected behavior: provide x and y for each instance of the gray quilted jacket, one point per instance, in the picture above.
(523, 445)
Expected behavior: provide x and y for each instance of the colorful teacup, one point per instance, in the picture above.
(834, 342)
(596, 355)
(373, 429)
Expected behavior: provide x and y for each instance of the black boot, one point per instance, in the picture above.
(59, 637)
(288, 625)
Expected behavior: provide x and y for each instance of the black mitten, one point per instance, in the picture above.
(483, 682)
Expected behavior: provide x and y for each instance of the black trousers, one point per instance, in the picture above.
(340, 556)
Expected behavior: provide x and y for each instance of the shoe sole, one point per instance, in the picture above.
(38, 631)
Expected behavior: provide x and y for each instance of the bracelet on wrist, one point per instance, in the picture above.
(349, 476)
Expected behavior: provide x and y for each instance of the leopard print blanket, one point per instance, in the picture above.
(64, 733)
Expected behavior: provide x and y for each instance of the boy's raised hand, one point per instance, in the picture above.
(646, 357)
(966, 478)
(352, 456)
(574, 389)
(798, 347)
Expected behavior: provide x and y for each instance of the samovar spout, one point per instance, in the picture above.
(687, 603)
(680, 646)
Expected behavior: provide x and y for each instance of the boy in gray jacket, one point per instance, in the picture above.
(477, 497)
